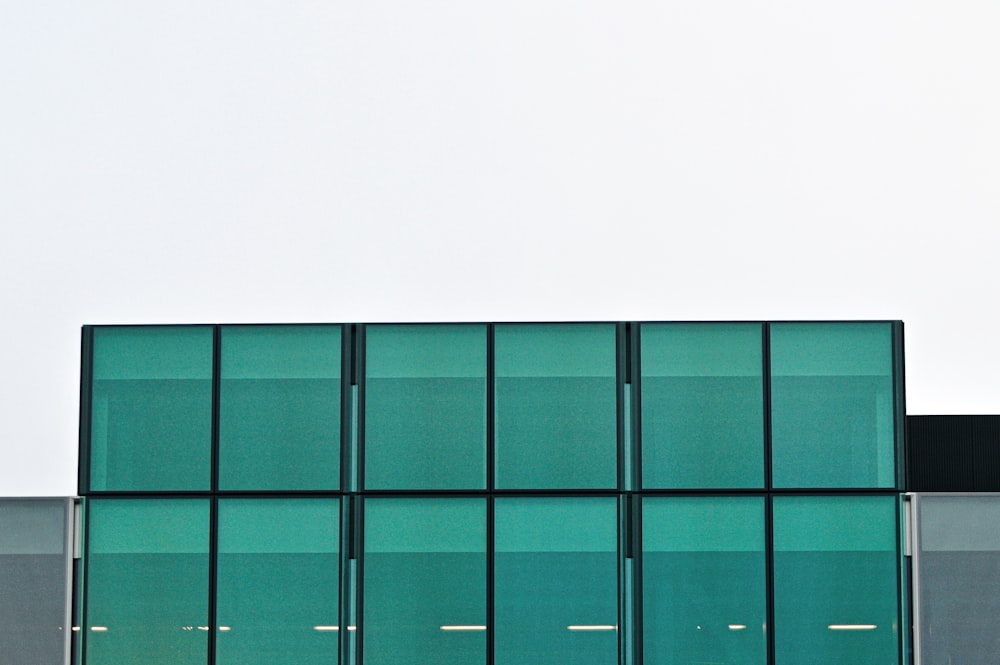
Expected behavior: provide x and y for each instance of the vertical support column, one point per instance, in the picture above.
(768, 503)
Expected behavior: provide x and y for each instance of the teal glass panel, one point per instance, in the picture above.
(280, 408)
(702, 405)
(835, 580)
(424, 581)
(151, 409)
(278, 581)
(832, 405)
(556, 406)
(704, 580)
(425, 407)
(147, 582)
(555, 575)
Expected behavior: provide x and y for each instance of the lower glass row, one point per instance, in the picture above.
(563, 591)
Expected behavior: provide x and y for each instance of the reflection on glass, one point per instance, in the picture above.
(556, 406)
(702, 405)
(704, 580)
(555, 570)
(147, 581)
(278, 581)
(832, 405)
(280, 408)
(424, 581)
(835, 579)
(425, 407)
(151, 410)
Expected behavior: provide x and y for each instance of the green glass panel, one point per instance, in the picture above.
(424, 581)
(278, 581)
(556, 406)
(702, 405)
(425, 407)
(151, 409)
(835, 580)
(280, 408)
(147, 582)
(832, 405)
(556, 590)
(704, 580)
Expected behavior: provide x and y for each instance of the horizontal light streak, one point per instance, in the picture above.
(852, 626)
(461, 627)
(224, 628)
(99, 629)
(592, 627)
(330, 629)
(76, 629)
(737, 626)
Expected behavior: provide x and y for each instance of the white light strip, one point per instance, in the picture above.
(326, 629)
(596, 627)
(460, 627)
(99, 629)
(852, 626)
(224, 628)
(737, 626)
(76, 629)
(202, 627)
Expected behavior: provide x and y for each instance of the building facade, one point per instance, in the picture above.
(632, 492)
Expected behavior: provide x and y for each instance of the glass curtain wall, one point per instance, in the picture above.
(613, 493)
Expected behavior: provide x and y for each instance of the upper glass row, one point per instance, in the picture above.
(692, 414)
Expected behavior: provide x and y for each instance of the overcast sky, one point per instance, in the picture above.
(371, 160)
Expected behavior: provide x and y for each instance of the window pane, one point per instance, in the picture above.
(835, 580)
(704, 580)
(151, 418)
(556, 594)
(956, 575)
(424, 581)
(832, 405)
(556, 406)
(702, 406)
(278, 581)
(33, 581)
(147, 581)
(425, 414)
(280, 408)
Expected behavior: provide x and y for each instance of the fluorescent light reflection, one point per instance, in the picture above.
(460, 627)
(99, 629)
(737, 626)
(225, 628)
(852, 626)
(330, 629)
(76, 629)
(592, 627)
(202, 627)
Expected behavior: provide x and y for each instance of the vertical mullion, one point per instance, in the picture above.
(358, 367)
(86, 397)
(213, 521)
(490, 578)
(768, 503)
(634, 343)
(346, 403)
(85, 567)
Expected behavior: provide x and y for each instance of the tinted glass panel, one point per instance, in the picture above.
(151, 413)
(147, 581)
(33, 581)
(425, 581)
(832, 405)
(425, 395)
(278, 581)
(957, 573)
(704, 580)
(835, 580)
(702, 406)
(556, 594)
(280, 408)
(556, 406)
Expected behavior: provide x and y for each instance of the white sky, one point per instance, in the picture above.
(257, 161)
